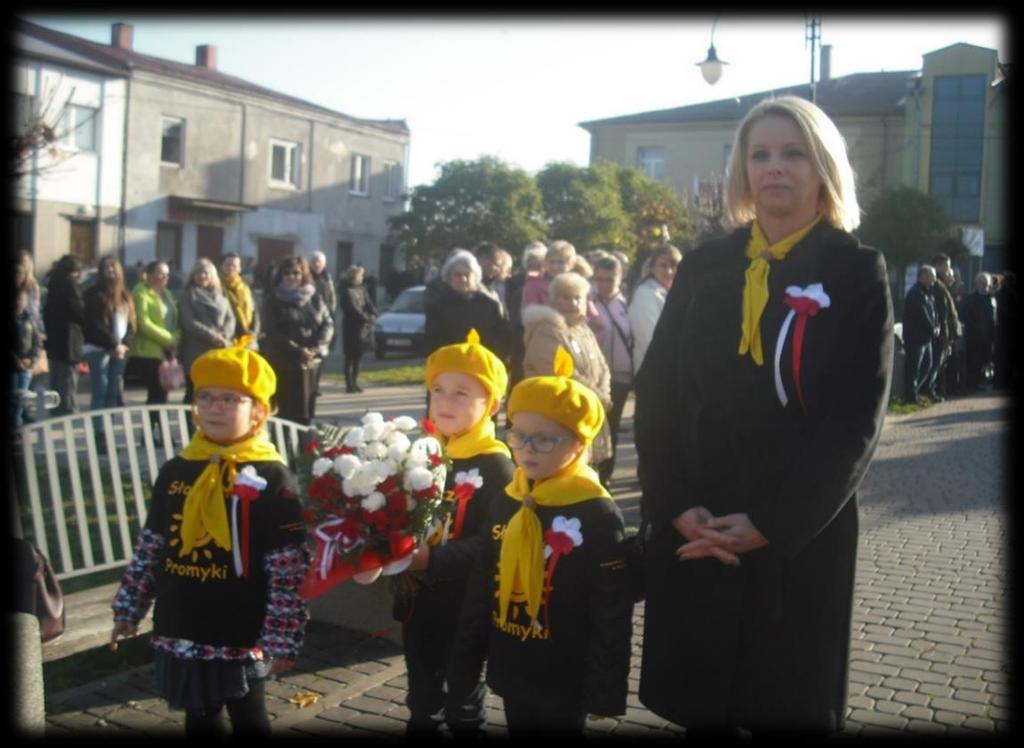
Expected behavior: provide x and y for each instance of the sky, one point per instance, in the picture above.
(518, 87)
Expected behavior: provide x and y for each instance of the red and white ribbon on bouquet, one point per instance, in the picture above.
(803, 303)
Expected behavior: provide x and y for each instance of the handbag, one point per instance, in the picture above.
(49, 600)
(42, 364)
(171, 373)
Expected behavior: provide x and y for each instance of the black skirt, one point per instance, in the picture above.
(197, 685)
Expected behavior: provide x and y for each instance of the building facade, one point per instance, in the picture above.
(941, 129)
(215, 164)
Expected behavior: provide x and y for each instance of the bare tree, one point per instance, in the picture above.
(42, 132)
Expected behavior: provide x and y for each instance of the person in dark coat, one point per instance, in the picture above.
(979, 319)
(458, 305)
(296, 329)
(532, 263)
(63, 317)
(357, 316)
(758, 408)
(920, 329)
(946, 382)
(325, 287)
(1005, 347)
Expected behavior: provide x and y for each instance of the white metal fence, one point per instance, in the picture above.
(82, 482)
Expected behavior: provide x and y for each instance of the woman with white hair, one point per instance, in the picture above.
(758, 409)
(563, 322)
(207, 319)
(458, 305)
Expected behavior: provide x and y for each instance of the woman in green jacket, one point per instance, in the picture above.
(158, 332)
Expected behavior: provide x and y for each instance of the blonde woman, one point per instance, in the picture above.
(207, 320)
(758, 409)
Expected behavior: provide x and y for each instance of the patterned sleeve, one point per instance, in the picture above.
(285, 624)
(138, 585)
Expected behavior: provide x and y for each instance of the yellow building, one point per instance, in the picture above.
(941, 129)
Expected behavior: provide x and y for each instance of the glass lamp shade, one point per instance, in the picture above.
(711, 68)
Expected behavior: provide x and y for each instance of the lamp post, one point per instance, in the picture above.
(813, 36)
(711, 68)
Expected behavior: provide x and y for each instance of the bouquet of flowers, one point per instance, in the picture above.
(373, 492)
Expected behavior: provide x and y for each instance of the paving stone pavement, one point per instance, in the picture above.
(929, 649)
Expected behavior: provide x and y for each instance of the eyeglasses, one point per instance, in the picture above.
(206, 400)
(540, 443)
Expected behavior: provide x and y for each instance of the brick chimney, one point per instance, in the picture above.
(826, 62)
(121, 36)
(206, 56)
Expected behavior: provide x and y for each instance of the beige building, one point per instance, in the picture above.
(941, 129)
(207, 163)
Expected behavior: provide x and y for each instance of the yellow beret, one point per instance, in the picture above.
(560, 398)
(469, 358)
(235, 368)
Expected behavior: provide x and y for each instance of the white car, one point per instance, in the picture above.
(402, 326)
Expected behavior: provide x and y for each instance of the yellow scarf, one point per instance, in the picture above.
(521, 561)
(479, 440)
(205, 507)
(241, 301)
(755, 291)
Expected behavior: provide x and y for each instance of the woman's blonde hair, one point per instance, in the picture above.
(571, 281)
(562, 248)
(826, 149)
(211, 271)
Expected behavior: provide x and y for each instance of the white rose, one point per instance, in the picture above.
(419, 479)
(397, 438)
(374, 450)
(392, 465)
(354, 438)
(321, 466)
(346, 465)
(415, 460)
(373, 431)
(374, 502)
(372, 417)
(405, 423)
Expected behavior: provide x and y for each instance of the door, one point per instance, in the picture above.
(83, 241)
(210, 243)
(268, 253)
(168, 244)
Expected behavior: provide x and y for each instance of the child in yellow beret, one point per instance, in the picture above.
(550, 604)
(466, 383)
(222, 552)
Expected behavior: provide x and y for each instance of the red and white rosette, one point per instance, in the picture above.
(559, 541)
(803, 303)
(248, 485)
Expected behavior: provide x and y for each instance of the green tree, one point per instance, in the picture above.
(907, 225)
(471, 201)
(583, 205)
(653, 208)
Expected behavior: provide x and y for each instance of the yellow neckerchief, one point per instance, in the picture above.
(479, 440)
(522, 548)
(204, 506)
(755, 290)
(241, 301)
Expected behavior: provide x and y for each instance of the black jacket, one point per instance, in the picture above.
(451, 315)
(766, 643)
(288, 327)
(63, 318)
(580, 658)
(357, 311)
(919, 318)
(98, 326)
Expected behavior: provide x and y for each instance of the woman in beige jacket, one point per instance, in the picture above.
(563, 323)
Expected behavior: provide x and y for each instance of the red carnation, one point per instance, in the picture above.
(311, 447)
(464, 491)
(325, 489)
(559, 542)
(379, 520)
(387, 485)
(428, 426)
(336, 451)
(401, 544)
(435, 460)
(308, 515)
(425, 494)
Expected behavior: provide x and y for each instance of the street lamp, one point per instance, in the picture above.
(711, 68)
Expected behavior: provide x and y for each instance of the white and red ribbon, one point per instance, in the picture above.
(803, 303)
(331, 543)
(248, 484)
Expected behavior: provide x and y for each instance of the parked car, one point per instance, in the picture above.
(402, 326)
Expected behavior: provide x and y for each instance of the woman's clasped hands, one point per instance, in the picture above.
(724, 538)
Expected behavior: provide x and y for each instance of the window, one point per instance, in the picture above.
(284, 164)
(360, 182)
(24, 110)
(168, 244)
(392, 180)
(82, 240)
(172, 141)
(958, 129)
(652, 160)
(77, 127)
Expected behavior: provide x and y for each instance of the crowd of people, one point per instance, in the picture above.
(761, 363)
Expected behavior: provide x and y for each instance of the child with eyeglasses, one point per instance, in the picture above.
(466, 383)
(222, 553)
(550, 604)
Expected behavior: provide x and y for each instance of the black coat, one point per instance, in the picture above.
(919, 317)
(63, 317)
(765, 643)
(357, 314)
(451, 315)
(98, 326)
